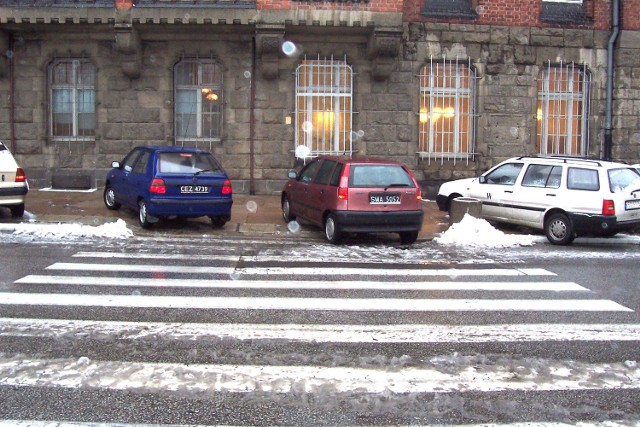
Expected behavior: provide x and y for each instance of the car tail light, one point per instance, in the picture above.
(343, 193)
(157, 186)
(226, 187)
(418, 192)
(608, 207)
(20, 175)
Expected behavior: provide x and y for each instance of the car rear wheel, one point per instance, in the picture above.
(17, 211)
(143, 216)
(286, 210)
(109, 198)
(408, 237)
(331, 229)
(217, 221)
(558, 229)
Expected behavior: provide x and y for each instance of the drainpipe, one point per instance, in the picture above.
(12, 97)
(252, 96)
(608, 129)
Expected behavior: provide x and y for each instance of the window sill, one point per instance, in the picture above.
(68, 139)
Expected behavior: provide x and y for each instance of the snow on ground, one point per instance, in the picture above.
(113, 230)
(477, 232)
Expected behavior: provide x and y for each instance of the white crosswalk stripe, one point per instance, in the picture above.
(385, 307)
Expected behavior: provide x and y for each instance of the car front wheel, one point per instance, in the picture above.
(143, 215)
(110, 199)
(331, 229)
(558, 229)
(286, 210)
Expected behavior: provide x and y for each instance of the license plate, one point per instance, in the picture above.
(194, 189)
(632, 204)
(384, 198)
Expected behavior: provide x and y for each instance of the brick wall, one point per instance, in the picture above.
(394, 6)
(527, 13)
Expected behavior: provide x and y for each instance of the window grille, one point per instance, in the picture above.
(72, 99)
(198, 101)
(447, 110)
(324, 102)
(563, 110)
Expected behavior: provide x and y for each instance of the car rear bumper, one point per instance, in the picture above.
(12, 195)
(189, 208)
(371, 222)
(586, 224)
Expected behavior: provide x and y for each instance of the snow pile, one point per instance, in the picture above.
(477, 232)
(114, 230)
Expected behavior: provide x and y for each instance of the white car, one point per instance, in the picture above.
(564, 196)
(13, 183)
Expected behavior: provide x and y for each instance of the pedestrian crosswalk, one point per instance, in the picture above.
(251, 339)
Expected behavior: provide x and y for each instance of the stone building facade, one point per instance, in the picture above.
(448, 87)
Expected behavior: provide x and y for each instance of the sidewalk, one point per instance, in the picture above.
(252, 215)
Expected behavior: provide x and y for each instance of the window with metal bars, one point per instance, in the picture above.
(72, 99)
(563, 110)
(324, 102)
(447, 110)
(198, 101)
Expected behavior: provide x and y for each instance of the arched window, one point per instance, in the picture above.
(563, 110)
(447, 110)
(72, 99)
(198, 100)
(324, 92)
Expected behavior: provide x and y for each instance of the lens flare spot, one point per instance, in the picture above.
(293, 226)
(252, 206)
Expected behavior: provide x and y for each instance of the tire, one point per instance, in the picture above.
(286, 210)
(143, 216)
(558, 229)
(217, 221)
(17, 211)
(332, 229)
(408, 237)
(109, 198)
(450, 201)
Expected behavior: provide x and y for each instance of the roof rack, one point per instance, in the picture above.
(564, 159)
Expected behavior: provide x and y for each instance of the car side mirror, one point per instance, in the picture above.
(115, 164)
(482, 179)
(292, 174)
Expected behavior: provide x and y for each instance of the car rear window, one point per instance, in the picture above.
(188, 163)
(2, 147)
(623, 178)
(379, 176)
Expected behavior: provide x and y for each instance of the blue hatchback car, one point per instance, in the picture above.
(167, 181)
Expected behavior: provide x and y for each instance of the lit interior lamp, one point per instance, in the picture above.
(209, 94)
(323, 119)
(539, 114)
(438, 112)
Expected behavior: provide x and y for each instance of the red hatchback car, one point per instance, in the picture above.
(351, 195)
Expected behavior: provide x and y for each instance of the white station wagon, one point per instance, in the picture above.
(13, 183)
(564, 196)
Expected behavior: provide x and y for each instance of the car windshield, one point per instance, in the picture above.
(622, 179)
(379, 176)
(188, 163)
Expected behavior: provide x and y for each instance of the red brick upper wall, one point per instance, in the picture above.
(394, 6)
(490, 12)
(527, 12)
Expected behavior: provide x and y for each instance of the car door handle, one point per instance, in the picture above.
(508, 191)
(551, 195)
